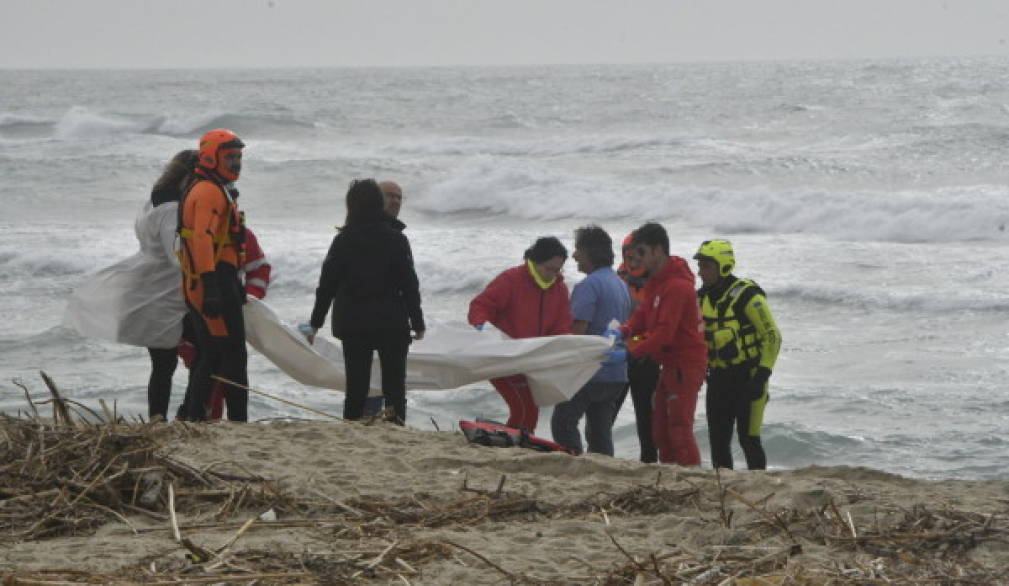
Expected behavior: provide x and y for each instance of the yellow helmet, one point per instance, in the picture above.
(719, 251)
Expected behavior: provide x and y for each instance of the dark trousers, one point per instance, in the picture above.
(595, 401)
(159, 386)
(358, 351)
(225, 356)
(373, 406)
(642, 378)
(163, 363)
(729, 407)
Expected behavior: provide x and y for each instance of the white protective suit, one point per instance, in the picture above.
(138, 300)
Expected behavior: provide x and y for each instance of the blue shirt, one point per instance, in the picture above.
(601, 297)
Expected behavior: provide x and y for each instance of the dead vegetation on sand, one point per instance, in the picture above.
(79, 470)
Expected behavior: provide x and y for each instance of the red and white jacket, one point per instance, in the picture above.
(256, 268)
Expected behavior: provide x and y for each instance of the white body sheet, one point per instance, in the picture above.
(447, 357)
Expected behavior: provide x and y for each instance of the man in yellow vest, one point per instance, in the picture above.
(743, 343)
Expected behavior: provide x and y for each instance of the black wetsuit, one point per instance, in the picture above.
(642, 378)
(225, 356)
(728, 404)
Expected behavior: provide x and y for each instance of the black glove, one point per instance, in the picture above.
(211, 295)
(755, 388)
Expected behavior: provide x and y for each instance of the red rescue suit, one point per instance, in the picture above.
(667, 327)
(515, 304)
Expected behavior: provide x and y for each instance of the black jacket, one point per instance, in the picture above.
(369, 279)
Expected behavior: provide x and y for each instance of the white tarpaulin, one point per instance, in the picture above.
(137, 300)
(447, 357)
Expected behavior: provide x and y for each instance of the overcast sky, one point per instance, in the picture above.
(280, 33)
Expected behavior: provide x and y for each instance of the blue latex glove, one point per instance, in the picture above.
(306, 329)
(615, 356)
(479, 327)
(618, 337)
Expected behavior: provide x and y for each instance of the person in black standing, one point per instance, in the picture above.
(162, 220)
(392, 195)
(369, 280)
(643, 372)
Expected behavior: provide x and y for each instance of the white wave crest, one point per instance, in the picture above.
(186, 125)
(47, 263)
(524, 189)
(10, 119)
(581, 144)
(892, 301)
(80, 123)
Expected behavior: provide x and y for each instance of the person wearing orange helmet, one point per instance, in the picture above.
(211, 252)
(255, 272)
(642, 372)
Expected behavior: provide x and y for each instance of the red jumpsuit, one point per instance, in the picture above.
(520, 308)
(667, 326)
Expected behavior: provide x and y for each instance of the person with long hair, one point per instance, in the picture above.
(165, 196)
(526, 301)
(369, 281)
(139, 301)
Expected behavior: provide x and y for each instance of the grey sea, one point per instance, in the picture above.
(867, 197)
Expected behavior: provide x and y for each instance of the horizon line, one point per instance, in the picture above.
(510, 65)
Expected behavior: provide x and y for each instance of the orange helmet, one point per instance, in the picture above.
(628, 244)
(213, 146)
(635, 277)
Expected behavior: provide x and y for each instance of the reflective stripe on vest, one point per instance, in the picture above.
(731, 337)
(219, 239)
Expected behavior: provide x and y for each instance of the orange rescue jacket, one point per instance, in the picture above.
(207, 226)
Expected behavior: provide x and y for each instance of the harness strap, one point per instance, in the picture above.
(737, 296)
(187, 234)
(219, 240)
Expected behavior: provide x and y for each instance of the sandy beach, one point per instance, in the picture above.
(357, 503)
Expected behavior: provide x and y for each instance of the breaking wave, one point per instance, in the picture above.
(528, 190)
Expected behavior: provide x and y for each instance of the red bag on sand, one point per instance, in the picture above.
(490, 433)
